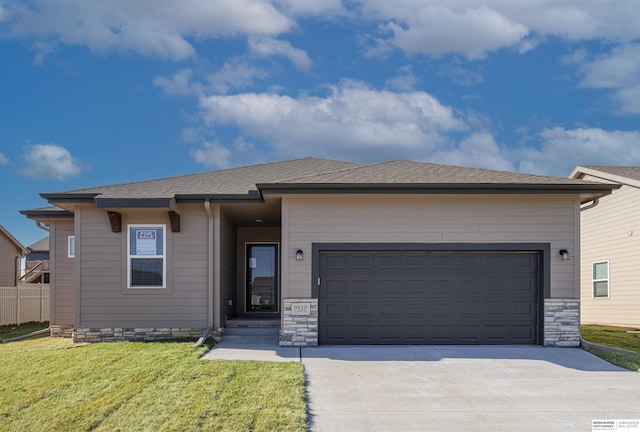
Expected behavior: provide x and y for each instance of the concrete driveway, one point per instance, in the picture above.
(437, 388)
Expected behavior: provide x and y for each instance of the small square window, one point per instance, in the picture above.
(600, 279)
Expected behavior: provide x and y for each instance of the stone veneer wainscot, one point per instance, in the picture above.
(299, 322)
(562, 322)
(117, 334)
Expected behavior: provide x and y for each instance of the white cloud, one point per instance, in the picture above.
(436, 30)
(562, 149)
(324, 8)
(147, 27)
(461, 26)
(268, 47)
(42, 49)
(212, 154)
(179, 84)
(49, 161)
(405, 80)
(235, 74)
(620, 72)
(4, 160)
(576, 57)
(460, 74)
(351, 119)
(478, 150)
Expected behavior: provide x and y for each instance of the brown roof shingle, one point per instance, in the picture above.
(631, 172)
(410, 172)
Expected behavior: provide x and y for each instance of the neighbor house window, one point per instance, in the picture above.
(601, 279)
(146, 256)
(71, 246)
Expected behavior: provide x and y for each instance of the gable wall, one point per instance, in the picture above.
(611, 231)
(8, 253)
(430, 219)
(105, 300)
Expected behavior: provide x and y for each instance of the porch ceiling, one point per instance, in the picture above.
(248, 214)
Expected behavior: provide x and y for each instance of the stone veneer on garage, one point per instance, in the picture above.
(299, 322)
(562, 322)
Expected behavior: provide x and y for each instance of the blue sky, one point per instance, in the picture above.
(102, 92)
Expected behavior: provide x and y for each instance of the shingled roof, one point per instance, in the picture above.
(630, 172)
(411, 172)
(239, 181)
(326, 175)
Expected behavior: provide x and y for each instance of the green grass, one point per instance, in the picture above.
(8, 332)
(51, 384)
(616, 337)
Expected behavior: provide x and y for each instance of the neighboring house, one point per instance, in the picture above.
(11, 251)
(398, 252)
(610, 244)
(37, 262)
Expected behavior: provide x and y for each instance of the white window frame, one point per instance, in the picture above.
(71, 246)
(594, 280)
(132, 257)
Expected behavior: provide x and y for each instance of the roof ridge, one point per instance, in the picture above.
(359, 165)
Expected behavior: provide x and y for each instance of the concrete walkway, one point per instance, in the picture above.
(440, 388)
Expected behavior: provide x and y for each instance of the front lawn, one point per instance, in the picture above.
(11, 331)
(49, 384)
(616, 337)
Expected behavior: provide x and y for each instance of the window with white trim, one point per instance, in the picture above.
(600, 278)
(71, 246)
(146, 256)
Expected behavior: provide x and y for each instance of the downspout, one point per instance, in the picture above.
(594, 203)
(207, 209)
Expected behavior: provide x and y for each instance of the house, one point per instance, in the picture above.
(11, 251)
(398, 252)
(610, 242)
(37, 262)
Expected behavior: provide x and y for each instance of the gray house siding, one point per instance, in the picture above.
(105, 300)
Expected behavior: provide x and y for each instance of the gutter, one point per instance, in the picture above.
(594, 203)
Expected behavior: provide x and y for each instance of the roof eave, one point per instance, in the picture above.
(438, 189)
(580, 171)
(38, 214)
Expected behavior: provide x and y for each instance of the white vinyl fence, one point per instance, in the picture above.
(24, 303)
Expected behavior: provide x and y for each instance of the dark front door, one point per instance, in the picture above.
(262, 278)
(414, 297)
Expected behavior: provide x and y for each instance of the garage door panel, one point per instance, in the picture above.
(361, 262)
(428, 298)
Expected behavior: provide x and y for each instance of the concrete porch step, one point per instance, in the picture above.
(250, 339)
(253, 322)
(252, 330)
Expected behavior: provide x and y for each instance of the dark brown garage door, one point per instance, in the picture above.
(409, 297)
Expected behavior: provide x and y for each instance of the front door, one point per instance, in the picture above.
(262, 278)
